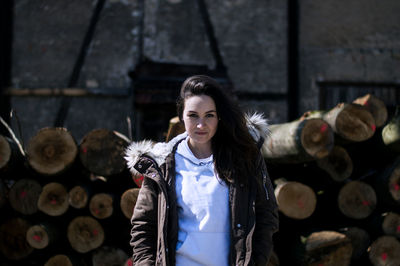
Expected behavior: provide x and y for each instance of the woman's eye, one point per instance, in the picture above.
(192, 115)
(210, 115)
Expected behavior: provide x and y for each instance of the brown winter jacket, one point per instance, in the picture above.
(253, 208)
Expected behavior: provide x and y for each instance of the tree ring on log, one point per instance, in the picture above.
(391, 224)
(51, 151)
(59, 260)
(37, 237)
(394, 184)
(13, 242)
(317, 138)
(385, 251)
(85, 234)
(24, 196)
(375, 106)
(54, 199)
(5, 152)
(78, 197)
(337, 164)
(128, 201)
(101, 205)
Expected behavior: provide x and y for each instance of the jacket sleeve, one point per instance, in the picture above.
(144, 225)
(267, 221)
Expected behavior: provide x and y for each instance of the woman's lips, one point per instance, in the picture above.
(201, 133)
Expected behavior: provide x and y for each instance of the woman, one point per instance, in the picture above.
(206, 198)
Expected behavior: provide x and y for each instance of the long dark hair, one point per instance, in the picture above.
(234, 150)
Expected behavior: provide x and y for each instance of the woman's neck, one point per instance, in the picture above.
(201, 151)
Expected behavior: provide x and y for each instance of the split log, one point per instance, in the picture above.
(360, 241)
(24, 196)
(102, 152)
(357, 200)
(53, 200)
(385, 251)
(101, 205)
(328, 248)
(13, 242)
(337, 164)
(298, 141)
(391, 132)
(42, 235)
(52, 151)
(128, 201)
(78, 197)
(106, 255)
(175, 128)
(350, 121)
(375, 106)
(85, 234)
(391, 224)
(294, 199)
(59, 260)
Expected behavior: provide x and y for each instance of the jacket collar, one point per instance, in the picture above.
(256, 123)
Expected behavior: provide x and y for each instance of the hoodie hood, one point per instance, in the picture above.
(256, 123)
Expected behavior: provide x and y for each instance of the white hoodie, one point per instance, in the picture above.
(203, 211)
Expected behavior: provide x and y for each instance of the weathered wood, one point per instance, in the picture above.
(357, 200)
(85, 234)
(128, 201)
(391, 132)
(360, 240)
(375, 106)
(101, 205)
(298, 141)
(175, 128)
(385, 251)
(78, 197)
(350, 121)
(13, 242)
(51, 151)
(294, 199)
(54, 199)
(102, 152)
(328, 248)
(24, 196)
(391, 224)
(107, 255)
(40, 236)
(337, 164)
(59, 260)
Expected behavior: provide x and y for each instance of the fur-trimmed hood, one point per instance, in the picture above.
(256, 123)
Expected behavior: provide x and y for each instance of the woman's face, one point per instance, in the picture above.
(200, 119)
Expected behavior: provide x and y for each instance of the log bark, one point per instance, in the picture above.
(360, 241)
(357, 200)
(337, 164)
(78, 197)
(375, 106)
(24, 196)
(107, 255)
(53, 200)
(328, 248)
(298, 141)
(175, 128)
(350, 121)
(40, 236)
(52, 151)
(59, 260)
(128, 201)
(295, 200)
(101, 205)
(85, 234)
(102, 152)
(385, 251)
(13, 242)
(391, 132)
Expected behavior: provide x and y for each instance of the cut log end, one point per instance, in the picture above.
(54, 199)
(391, 224)
(357, 200)
(337, 164)
(128, 201)
(385, 251)
(24, 196)
(51, 151)
(317, 138)
(78, 197)
(59, 260)
(375, 106)
(14, 229)
(109, 256)
(102, 152)
(5, 152)
(355, 123)
(85, 234)
(101, 205)
(394, 184)
(37, 237)
(295, 200)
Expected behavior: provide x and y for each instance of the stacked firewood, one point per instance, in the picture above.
(337, 177)
(65, 203)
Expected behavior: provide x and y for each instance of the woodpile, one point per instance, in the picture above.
(65, 202)
(337, 185)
